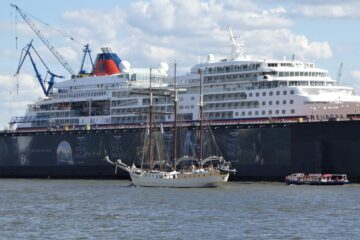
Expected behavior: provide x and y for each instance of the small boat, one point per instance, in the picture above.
(316, 179)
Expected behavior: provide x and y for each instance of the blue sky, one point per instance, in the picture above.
(148, 32)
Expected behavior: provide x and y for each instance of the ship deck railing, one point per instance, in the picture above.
(213, 123)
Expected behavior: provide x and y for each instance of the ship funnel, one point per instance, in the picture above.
(107, 63)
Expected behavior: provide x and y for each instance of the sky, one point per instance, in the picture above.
(148, 32)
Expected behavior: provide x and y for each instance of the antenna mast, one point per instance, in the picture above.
(339, 73)
(150, 123)
(175, 119)
(201, 118)
(236, 48)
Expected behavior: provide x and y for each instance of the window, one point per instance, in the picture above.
(192, 98)
(256, 113)
(292, 92)
(263, 103)
(243, 114)
(263, 112)
(270, 112)
(277, 102)
(264, 94)
(277, 112)
(250, 113)
(257, 94)
(284, 101)
(291, 101)
(270, 102)
(283, 111)
(250, 94)
(292, 110)
(277, 93)
(284, 92)
(236, 113)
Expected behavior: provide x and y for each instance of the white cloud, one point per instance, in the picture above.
(356, 74)
(24, 90)
(69, 53)
(18, 28)
(335, 10)
(95, 24)
(158, 15)
(21, 82)
(282, 42)
(272, 18)
(152, 30)
(355, 80)
(158, 54)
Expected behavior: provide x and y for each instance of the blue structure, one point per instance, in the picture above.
(26, 52)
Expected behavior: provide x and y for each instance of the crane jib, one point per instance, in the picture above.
(52, 49)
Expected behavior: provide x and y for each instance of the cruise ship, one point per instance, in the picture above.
(235, 89)
(269, 117)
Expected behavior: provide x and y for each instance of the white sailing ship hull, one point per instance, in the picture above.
(186, 180)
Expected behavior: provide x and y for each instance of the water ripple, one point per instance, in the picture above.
(89, 209)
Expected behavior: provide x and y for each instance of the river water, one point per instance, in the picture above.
(111, 209)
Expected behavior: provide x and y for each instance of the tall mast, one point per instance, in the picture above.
(201, 118)
(149, 153)
(175, 119)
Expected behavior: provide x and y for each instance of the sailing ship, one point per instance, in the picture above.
(209, 172)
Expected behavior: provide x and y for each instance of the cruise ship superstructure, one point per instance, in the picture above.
(234, 89)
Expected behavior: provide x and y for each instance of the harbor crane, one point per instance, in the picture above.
(52, 49)
(45, 87)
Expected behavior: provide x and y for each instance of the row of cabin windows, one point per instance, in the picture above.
(119, 111)
(221, 96)
(277, 102)
(230, 105)
(231, 96)
(219, 115)
(290, 65)
(186, 107)
(81, 94)
(272, 93)
(120, 94)
(302, 74)
(243, 67)
(66, 121)
(214, 79)
(146, 101)
(270, 112)
(135, 119)
(125, 102)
